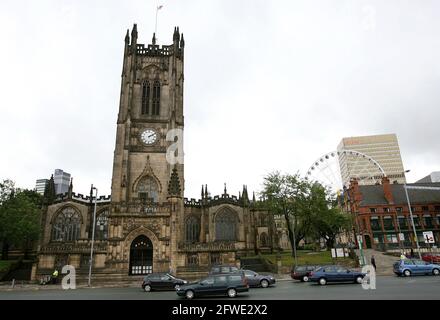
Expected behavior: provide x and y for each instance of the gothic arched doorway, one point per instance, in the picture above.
(141, 256)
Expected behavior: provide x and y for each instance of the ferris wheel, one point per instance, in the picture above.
(335, 169)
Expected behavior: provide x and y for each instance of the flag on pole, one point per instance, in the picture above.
(159, 7)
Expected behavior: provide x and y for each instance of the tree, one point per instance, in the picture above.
(309, 209)
(327, 219)
(19, 217)
(285, 194)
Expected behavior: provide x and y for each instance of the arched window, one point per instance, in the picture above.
(145, 97)
(147, 190)
(156, 98)
(192, 228)
(67, 225)
(101, 231)
(226, 226)
(264, 240)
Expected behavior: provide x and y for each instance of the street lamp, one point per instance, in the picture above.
(93, 236)
(412, 217)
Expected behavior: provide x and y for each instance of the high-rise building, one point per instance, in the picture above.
(433, 177)
(41, 185)
(384, 149)
(62, 181)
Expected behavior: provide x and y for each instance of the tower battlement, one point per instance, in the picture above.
(153, 49)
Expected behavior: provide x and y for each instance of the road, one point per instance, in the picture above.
(387, 287)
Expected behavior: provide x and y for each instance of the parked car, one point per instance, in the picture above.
(229, 284)
(223, 268)
(161, 281)
(326, 274)
(431, 257)
(255, 279)
(302, 273)
(408, 267)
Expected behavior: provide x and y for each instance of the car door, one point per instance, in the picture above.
(166, 282)
(155, 281)
(343, 274)
(251, 277)
(205, 286)
(331, 274)
(423, 267)
(220, 284)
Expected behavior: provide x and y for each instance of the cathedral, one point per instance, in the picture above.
(146, 225)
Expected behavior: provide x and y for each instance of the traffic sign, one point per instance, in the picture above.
(428, 236)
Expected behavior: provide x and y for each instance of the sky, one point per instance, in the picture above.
(269, 85)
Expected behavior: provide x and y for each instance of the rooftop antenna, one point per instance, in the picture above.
(157, 11)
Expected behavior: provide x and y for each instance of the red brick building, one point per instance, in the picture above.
(381, 213)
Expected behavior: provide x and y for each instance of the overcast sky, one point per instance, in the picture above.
(269, 85)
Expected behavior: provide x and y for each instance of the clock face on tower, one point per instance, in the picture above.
(149, 136)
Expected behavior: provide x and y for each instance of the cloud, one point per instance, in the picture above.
(268, 85)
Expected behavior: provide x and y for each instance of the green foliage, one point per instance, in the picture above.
(19, 215)
(309, 209)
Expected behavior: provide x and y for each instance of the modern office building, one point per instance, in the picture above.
(61, 180)
(431, 178)
(383, 149)
(41, 185)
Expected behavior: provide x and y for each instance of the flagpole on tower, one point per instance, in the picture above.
(157, 11)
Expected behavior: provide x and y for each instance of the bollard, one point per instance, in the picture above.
(13, 283)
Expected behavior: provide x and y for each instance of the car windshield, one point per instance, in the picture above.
(300, 268)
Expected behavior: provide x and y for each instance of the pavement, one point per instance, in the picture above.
(387, 288)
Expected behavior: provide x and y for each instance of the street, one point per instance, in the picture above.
(387, 287)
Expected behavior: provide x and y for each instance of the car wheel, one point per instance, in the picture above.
(147, 288)
(305, 279)
(264, 283)
(407, 273)
(436, 272)
(232, 293)
(322, 281)
(359, 279)
(189, 294)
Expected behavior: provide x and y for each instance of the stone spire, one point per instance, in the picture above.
(174, 189)
(153, 41)
(70, 191)
(225, 192)
(134, 37)
(203, 193)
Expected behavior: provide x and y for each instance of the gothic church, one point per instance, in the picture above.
(146, 225)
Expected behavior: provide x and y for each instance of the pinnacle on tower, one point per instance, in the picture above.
(174, 184)
(49, 194)
(182, 41)
(127, 37)
(69, 193)
(153, 41)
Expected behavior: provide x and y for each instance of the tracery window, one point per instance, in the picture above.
(192, 229)
(101, 231)
(67, 225)
(226, 226)
(156, 98)
(145, 97)
(148, 190)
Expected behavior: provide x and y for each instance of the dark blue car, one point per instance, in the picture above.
(328, 274)
(408, 267)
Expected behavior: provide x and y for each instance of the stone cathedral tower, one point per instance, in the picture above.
(147, 180)
(147, 225)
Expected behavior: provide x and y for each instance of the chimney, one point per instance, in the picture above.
(356, 194)
(387, 190)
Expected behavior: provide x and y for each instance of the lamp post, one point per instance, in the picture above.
(93, 237)
(412, 217)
